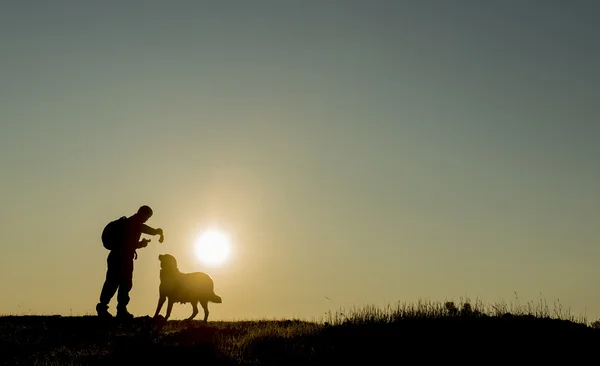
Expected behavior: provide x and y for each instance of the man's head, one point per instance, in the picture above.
(144, 213)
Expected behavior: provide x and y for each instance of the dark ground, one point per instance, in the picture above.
(468, 339)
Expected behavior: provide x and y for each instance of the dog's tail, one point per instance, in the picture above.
(215, 298)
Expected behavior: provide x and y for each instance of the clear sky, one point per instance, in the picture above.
(364, 151)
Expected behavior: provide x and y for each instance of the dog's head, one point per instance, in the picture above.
(167, 261)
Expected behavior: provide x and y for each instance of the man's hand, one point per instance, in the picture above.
(159, 231)
(143, 243)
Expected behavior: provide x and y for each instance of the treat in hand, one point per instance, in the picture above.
(162, 236)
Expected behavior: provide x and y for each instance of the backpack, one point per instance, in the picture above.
(113, 233)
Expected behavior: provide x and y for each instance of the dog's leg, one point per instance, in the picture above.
(194, 309)
(204, 304)
(169, 308)
(161, 301)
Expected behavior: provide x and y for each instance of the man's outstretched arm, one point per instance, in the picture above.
(151, 231)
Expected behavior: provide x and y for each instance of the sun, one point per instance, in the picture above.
(212, 247)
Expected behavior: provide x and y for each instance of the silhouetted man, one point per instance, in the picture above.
(119, 274)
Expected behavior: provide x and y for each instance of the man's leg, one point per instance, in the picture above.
(125, 285)
(111, 283)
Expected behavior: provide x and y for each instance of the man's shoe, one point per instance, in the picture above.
(124, 315)
(102, 311)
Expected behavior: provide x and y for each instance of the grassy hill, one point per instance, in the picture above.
(407, 334)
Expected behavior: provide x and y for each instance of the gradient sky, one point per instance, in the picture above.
(365, 151)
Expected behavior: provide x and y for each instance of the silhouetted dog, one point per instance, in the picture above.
(184, 288)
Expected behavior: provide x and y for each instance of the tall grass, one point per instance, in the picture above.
(425, 309)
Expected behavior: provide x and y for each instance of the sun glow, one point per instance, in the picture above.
(212, 247)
